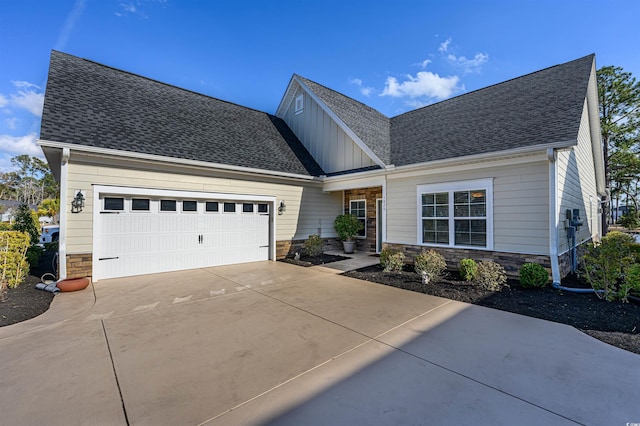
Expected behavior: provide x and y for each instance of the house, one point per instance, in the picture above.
(156, 178)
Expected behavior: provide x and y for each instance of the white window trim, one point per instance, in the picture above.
(450, 188)
(299, 104)
(365, 216)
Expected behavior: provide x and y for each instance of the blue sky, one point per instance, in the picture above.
(392, 55)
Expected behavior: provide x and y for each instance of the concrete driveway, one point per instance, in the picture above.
(270, 342)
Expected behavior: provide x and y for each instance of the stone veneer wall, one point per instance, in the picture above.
(79, 265)
(370, 195)
(286, 248)
(511, 262)
(565, 259)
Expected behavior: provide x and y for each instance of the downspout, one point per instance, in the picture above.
(553, 227)
(553, 216)
(62, 237)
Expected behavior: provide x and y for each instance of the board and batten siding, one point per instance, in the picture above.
(308, 209)
(329, 145)
(577, 187)
(520, 205)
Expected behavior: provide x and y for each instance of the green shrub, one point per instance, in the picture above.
(630, 220)
(533, 275)
(5, 226)
(13, 263)
(631, 283)
(33, 256)
(392, 261)
(313, 245)
(468, 269)
(603, 264)
(431, 263)
(25, 222)
(347, 226)
(491, 276)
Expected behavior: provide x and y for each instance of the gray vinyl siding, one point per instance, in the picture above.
(577, 186)
(520, 205)
(328, 144)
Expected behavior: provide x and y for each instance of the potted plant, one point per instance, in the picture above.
(347, 226)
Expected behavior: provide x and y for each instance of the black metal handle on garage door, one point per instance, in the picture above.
(200, 238)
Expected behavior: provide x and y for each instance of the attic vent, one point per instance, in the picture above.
(299, 103)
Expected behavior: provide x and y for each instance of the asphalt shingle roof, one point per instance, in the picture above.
(369, 125)
(90, 104)
(539, 108)
(536, 109)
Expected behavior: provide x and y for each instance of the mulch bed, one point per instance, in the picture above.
(314, 260)
(615, 323)
(23, 302)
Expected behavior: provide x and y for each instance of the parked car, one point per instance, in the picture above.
(50, 233)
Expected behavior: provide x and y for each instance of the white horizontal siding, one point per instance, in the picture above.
(520, 200)
(577, 186)
(307, 207)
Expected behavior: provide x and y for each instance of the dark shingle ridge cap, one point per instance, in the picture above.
(153, 80)
(591, 56)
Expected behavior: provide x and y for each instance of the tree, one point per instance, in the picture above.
(50, 207)
(619, 95)
(26, 222)
(30, 183)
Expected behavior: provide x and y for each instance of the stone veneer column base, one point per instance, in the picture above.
(79, 265)
(286, 248)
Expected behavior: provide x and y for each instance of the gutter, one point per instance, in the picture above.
(174, 161)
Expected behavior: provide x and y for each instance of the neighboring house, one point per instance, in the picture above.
(172, 179)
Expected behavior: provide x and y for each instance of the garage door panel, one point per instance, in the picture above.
(143, 242)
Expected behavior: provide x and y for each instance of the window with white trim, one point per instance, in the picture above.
(459, 214)
(358, 208)
(299, 104)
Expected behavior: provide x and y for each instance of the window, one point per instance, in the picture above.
(229, 207)
(358, 208)
(112, 203)
(299, 107)
(211, 206)
(247, 208)
(167, 205)
(189, 206)
(140, 204)
(456, 214)
(263, 208)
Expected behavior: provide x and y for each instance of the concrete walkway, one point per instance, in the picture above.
(274, 343)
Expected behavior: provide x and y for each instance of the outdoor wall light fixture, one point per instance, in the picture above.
(77, 203)
(282, 207)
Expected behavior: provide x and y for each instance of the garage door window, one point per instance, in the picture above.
(167, 205)
(247, 208)
(211, 206)
(112, 203)
(229, 207)
(140, 204)
(263, 208)
(189, 206)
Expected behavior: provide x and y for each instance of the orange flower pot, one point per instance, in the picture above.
(73, 284)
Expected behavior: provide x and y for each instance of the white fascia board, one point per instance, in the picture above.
(341, 123)
(172, 160)
(287, 98)
(490, 159)
(354, 182)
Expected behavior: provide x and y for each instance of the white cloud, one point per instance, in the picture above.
(30, 100)
(424, 84)
(469, 65)
(24, 84)
(444, 46)
(128, 7)
(11, 122)
(69, 25)
(17, 145)
(365, 90)
(3, 101)
(424, 63)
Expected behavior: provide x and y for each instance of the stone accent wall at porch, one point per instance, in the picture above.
(371, 195)
(565, 259)
(79, 265)
(511, 262)
(286, 248)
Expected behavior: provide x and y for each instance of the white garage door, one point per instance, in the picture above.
(138, 234)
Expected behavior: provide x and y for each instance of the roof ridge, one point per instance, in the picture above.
(592, 55)
(173, 86)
